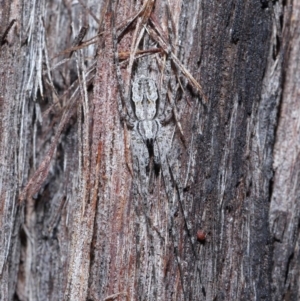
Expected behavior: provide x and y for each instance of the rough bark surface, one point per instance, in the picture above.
(72, 223)
(285, 198)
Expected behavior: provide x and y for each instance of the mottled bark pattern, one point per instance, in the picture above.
(221, 219)
(285, 201)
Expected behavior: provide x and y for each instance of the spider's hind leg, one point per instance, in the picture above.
(140, 154)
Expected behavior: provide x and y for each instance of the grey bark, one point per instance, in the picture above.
(71, 226)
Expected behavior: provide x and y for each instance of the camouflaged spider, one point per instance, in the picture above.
(146, 119)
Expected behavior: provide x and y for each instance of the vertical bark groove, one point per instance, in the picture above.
(76, 222)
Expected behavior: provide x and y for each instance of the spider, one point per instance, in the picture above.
(144, 111)
(148, 136)
(148, 117)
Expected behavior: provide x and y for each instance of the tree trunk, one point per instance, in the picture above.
(92, 208)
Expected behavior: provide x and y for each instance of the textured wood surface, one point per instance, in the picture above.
(285, 200)
(71, 224)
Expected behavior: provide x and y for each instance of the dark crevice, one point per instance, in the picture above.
(276, 47)
(271, 186)
(15, 297)
(288, 267)
(281, 21)
(8, 28)
(275, 239)
(203, 291)
(23, 237)
(264, 4)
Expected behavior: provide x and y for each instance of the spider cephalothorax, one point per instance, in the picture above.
(144, 97)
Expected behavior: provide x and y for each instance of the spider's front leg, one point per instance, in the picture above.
(124, 105)
(165, 112)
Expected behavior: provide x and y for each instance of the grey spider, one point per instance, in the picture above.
(146, 121)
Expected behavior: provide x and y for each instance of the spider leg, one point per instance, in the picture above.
(167, 84)
(173, 192)
(166, 113)
(137, 149)
(157, 35)
(140, 154)
(141, 161)
(187, 224)
(122, 98)
(161, 148)
(171, 196)
(139, 32)
(164, 84)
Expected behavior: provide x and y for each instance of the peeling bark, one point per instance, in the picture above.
(72, 224)
(285, 206)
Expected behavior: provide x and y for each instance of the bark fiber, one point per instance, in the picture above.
(72, 226)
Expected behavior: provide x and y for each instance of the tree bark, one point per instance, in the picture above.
(219, 220)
